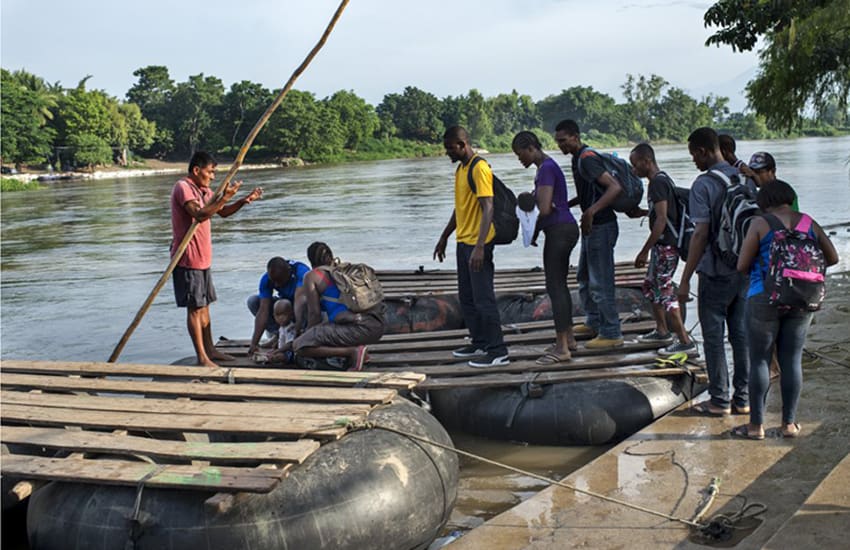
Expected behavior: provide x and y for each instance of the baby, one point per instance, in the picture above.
(284, 316)
(526, 211)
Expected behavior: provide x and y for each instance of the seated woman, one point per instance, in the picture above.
(345, 333)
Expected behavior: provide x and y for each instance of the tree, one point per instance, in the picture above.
(25, 112)
(806, 56)
(357, 117)
(591, 109)
(415, 114)
(140, 131)
(677, 114)
(306, 128)
(242, 107)
(153, 93)
(643, 95)
(194, 106)
(90, 112)
(90, 150)
(513, 112)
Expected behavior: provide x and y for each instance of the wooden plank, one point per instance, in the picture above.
(399, 380)
(619, 267)
(502, 380)
(546, 335)
(418, 359)
(98, 442)
(511, 328)
(113, 420)
(577, 363)
(201, 391)
(245, 410)
(122, 472)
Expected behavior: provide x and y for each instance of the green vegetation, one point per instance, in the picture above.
(804, 64)
(161, 118)
(12, 184)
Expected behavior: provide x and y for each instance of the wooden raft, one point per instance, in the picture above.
(398, 284)
(124, 424)
(429, 353)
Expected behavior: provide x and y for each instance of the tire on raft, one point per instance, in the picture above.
(584, 412)
(369, 489)
(443, 312)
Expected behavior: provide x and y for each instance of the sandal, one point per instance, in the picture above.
(552, 358)
(552, 347)
(743, 431)
(362, 357)
(795, 433)
(707, 409)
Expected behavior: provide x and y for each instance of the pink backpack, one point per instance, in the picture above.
(795, 274)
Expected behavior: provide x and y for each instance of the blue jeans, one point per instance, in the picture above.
(722, 303)
(478, 301)
(254, 307)
(595, 275)
(787, 330)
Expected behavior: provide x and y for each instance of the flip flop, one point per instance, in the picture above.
(743, 431)
(361, 358)
(551, 348)
(707, 409)
(553, 358)
(793, 434)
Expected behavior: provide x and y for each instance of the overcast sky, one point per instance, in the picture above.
(537, 47)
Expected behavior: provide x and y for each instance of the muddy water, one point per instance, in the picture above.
(78, 258)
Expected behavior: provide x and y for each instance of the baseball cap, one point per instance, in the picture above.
(762, 160)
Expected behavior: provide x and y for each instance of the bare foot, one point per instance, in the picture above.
(219, 356)
(207, 362)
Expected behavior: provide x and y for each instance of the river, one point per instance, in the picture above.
(79, 258)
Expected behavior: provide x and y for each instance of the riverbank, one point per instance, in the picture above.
(665, 467)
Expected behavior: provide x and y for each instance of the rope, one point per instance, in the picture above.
(815, 354)
(545, 479)
(135, 525)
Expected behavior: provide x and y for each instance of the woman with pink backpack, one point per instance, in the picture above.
(786, 254)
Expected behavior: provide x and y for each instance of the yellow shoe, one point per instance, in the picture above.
(585, 329)
(604, 343)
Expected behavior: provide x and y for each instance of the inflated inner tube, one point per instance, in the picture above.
(370, 489)
(587, 412)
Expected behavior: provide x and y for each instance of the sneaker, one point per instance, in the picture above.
(604, 343)
(584, 328)
(490, 360)
(469, 351)
(656, 337)
(678, 347)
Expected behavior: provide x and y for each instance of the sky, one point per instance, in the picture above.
(538, 47)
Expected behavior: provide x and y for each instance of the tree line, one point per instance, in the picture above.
(48, 123)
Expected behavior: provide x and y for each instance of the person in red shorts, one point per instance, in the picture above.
(193, 286)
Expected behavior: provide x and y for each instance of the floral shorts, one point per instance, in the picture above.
(658, 285)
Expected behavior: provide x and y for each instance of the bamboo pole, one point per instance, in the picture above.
(237, 163)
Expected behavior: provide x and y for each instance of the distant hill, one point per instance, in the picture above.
(734, 89)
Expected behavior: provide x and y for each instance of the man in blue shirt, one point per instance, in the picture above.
(281, 280)
(721, 300)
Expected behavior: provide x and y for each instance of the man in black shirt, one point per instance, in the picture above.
(596, 189)
(661, 247)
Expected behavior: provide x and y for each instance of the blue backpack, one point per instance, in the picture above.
(632, 193)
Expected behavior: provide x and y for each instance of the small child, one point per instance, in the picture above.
(527, 213)
(284, 316)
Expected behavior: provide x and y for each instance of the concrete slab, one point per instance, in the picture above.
(666, 465)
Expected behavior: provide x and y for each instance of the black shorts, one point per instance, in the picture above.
(193, 287)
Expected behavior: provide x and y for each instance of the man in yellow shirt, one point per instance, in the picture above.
(472, 220)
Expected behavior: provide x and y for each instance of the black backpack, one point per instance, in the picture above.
(505, 219)
(738, 209)
(632, 193)
(683, 229)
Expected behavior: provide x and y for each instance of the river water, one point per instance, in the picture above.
(79, 258)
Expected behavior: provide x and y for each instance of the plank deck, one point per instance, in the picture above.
(98, 442)
(123, 472)
(372, 396)
(256, 375)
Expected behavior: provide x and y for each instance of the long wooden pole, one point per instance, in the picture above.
(224, 184)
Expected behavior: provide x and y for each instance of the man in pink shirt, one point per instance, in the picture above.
(193, 286)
